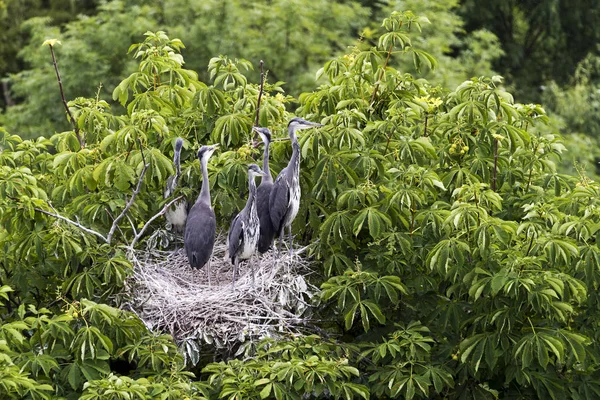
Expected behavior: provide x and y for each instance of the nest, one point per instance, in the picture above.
(204, 307)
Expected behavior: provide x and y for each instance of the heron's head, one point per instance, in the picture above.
(265, 134)
(206, 151)
(298, 123)
(254, 170)
(178, 145)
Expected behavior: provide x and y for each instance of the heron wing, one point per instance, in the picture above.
(199, 237)
(279, 202)
(235, 238)
(267, 232)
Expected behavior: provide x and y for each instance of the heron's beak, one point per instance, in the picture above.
(215, 146)
(310, 124)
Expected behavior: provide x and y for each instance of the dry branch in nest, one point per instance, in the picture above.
(168, 295)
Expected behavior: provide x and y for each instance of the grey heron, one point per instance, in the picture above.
(267, 232)
(201, 225)
(176, 215)
(284, 200)
(245, 228)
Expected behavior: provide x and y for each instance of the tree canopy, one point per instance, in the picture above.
(453, 259)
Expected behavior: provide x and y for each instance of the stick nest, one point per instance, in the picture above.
(170, 296)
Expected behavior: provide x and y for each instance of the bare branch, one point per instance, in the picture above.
(115, 223)
(70, 221)
(147, 224)
(64, 101)
(260, 92)
(132, 226)
(255, 140)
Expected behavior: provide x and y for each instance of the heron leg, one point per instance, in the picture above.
(208, 272)
(280, 245)
(290, 240)
(235, 270)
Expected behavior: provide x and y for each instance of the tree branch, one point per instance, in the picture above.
(260, 92)
(147, 224)
(70, 221)
(113, 228)
(64, 101)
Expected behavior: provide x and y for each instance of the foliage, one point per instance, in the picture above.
(293, 369)
(456, 261)
(67, 352)
(293, 38)
(534, 35)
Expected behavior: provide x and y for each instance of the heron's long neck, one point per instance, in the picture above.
(295, 160)
(267, 177)
(205, 192)
(177, 162)
(251, 191)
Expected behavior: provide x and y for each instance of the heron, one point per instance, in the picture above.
(176, 215)
(267, 232)
(201, 225)
(284, 200)
(245, 228)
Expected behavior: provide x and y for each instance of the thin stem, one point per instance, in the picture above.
(387, 143)
(529, 179)
(387, 59)
(255, 140)
(495, 172)
(530, 245)
(425, 128)
(260, 92)
(64, 101)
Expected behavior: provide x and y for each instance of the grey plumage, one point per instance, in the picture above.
(176, 215)
(245, 228)
(263, 192)
(284, 200)
(201, 225)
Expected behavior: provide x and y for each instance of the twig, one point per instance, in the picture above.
(64, 101)
(260, 92)
(381, 75)
(113, 228)
(70, 221)
(132, 226)
(147, 224)
(495, 165)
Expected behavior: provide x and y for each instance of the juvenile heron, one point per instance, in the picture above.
(201, 225)
(176, 215)
(245, 228)
(284, 200)
(267, 232)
